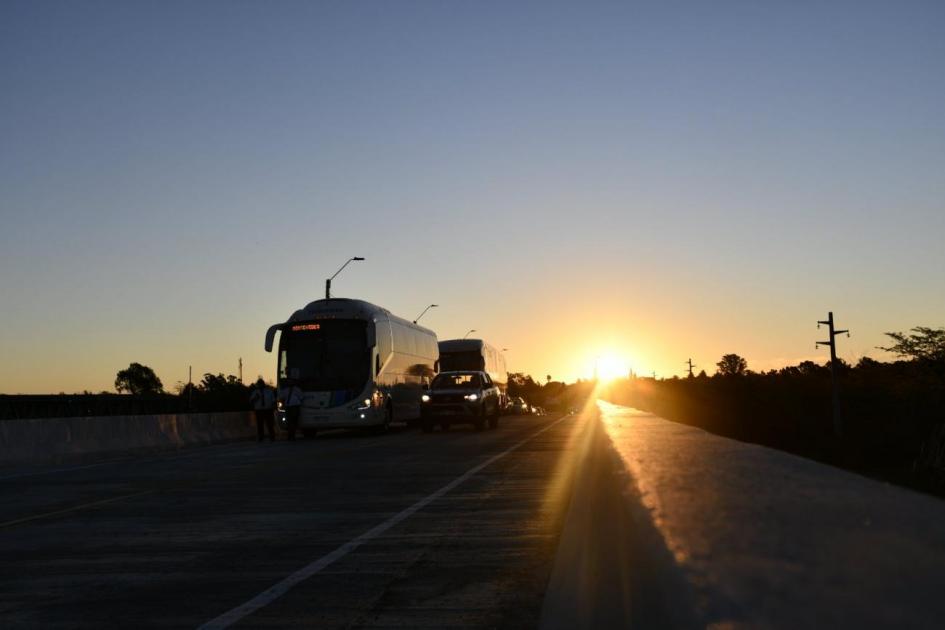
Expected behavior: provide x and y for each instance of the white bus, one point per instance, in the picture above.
(475, 354)
(357, 364)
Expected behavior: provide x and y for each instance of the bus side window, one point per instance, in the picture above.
(383, 339)
(377, 364)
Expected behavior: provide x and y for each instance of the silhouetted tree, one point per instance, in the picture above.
(924, 344)
(809, 368)
(216, 392)
(732, 365)
(138, 379)
(525, 386)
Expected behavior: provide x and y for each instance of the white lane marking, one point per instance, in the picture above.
(84, 506)
(279, 589)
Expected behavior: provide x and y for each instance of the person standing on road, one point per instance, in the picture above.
(291, 397)
(264, 404)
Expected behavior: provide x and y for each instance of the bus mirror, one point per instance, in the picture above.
(271, 335)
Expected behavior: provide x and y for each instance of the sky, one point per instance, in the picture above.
(645, 181)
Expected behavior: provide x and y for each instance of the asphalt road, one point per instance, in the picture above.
(455, 529)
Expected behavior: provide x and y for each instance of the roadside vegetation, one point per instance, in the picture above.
(893, 412)
(140, 392)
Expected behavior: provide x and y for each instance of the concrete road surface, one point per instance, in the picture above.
(455, 529)
(610, 518)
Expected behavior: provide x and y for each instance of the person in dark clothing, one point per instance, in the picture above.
(264, 402)
(291, 397)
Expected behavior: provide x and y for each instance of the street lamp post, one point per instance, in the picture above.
(471, 330)
(424, 312)
(328, 281)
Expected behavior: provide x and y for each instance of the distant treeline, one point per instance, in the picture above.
(215, 392)
(893, 413)
(552, 395)
(145, 395)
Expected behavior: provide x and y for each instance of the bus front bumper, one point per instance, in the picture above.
(339, 418)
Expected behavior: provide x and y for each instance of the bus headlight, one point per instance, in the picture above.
(472, 397)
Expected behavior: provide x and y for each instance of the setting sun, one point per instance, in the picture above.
(609, 367)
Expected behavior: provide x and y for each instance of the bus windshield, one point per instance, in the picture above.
(327, 355)
(468, 360)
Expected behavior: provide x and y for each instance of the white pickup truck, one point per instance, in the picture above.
(465, 396)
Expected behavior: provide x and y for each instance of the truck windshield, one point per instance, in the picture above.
(466, 360)
(457, 381)
(328, 355)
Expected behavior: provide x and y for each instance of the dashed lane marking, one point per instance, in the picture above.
(75, 508)
(279, 589)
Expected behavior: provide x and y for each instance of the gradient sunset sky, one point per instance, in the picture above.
(653, 181)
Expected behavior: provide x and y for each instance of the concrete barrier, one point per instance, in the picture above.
(49, 440)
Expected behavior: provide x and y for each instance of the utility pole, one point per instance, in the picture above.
(832, 343)
(241, 370)
(689, 363)
(190, 388)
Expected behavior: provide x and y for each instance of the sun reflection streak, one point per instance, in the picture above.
(617, 421)
(575, 453)
(593, 574)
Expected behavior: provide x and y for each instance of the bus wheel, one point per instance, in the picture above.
(309, 434)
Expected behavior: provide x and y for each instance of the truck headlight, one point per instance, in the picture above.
(472, 397)
(425, 398)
